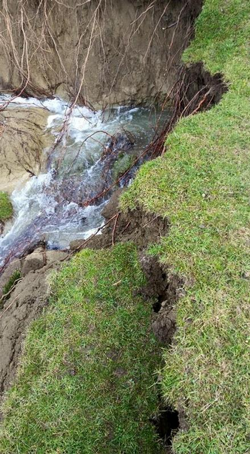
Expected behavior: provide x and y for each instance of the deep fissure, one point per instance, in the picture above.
(167, 425)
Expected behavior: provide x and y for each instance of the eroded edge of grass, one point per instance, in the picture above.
(202, 185)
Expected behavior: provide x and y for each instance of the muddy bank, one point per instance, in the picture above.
(25, 303)
(137, 226)
(22, 140)
(107, 52)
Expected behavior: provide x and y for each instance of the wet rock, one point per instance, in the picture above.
(119, 142)
(55, 256)
(118, 156)
(40, 258)
(111, 208)
(76, 245)
(33, 262)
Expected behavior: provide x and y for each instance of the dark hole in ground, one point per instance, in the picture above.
(167, 425)
(158, 304)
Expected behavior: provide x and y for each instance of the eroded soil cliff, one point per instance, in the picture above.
(102, 52)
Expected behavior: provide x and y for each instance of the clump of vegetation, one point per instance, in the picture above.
(10, 284)
(202, 185)
(87, 382)
(6, 209)
(122, 164)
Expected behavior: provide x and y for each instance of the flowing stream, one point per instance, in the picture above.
(59, 205)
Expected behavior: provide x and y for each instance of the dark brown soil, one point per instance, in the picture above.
(137, 226)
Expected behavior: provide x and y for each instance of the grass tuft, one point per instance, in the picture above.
(6, 209)
(10, 285)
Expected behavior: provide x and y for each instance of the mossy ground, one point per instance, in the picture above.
(87, 382)
(6, 209)
(202, 185)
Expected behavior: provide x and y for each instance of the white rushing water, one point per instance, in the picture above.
(50, 207)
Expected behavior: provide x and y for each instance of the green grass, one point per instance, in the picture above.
(9, 286)
(87, 382)
(6, 209)
(202, 185)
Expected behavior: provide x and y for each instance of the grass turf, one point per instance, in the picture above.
(6, 209)
(87, 381)
(202, 185)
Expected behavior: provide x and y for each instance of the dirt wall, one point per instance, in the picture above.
(22, 139)
(106, 51)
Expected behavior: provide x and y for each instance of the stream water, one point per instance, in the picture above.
(52, 206)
